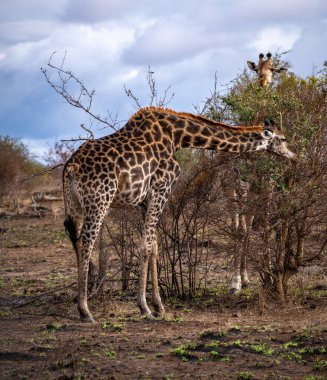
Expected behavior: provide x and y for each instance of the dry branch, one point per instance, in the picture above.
(84, 98)
(42, 295)
(40, 173)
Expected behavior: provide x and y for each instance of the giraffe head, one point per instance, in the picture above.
(275, 142)
(265, 70)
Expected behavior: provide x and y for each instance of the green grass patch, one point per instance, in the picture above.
(183, 351)
(320, 364)
(218, 356)
(238, 343)
(115, 327)
(263, 349)
(137, 355)
(53, 327)
(2, 283)
(290, 344)
(295, 356)
(209, 334)
(213, 344)
(111, 354)
(245, 376)
(5, 313)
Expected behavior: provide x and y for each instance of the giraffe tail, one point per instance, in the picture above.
(71, 202)
(71, 230)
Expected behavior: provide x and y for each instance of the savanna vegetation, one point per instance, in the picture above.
(266, 208)
(280, 205)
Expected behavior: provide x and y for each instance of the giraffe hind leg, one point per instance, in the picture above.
(244, 273)
(159, 309)
(150, 250)
(143, 276)
(85, 243)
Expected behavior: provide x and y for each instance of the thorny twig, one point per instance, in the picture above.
(40, 173)
(88, 130)
(83, 99)
(130, 95)
(153, 95)
(56, 316)
(98, 289)
(42, 295)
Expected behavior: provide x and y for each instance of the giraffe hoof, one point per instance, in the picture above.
(233, 291)
(147, 316)
(87, 319)
(158, 313)
(145, 311)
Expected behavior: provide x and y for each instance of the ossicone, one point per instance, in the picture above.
(268, 122)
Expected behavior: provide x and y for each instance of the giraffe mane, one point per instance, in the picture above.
(210, 122)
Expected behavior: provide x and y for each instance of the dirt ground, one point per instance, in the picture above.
(218, 337)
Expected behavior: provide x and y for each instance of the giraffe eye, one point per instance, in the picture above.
(283, 139)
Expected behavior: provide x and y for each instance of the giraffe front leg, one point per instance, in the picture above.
(244, 273)
(91, 276)
(156, 299)
(144, 265)
(83, 268)
(236, 283)
(240, 276)
(154, 207)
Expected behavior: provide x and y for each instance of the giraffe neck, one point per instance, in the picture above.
(220, 137)
(192, 131)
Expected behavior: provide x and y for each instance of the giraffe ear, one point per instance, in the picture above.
(252, 66)
(269, 122)
(280, 70)
(267, 133)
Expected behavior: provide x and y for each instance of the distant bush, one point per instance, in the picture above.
(15, 162)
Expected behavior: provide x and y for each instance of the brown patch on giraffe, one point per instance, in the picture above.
(72, 168)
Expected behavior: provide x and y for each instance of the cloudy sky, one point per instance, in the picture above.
(111, 43)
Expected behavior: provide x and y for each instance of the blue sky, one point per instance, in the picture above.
(111, 43)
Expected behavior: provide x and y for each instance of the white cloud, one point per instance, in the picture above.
(168, 40)
(129, 75)
(274, 38)
(88, 48)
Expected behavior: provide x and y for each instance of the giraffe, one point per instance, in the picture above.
(136, 166)
(241, 222)
(265, 70)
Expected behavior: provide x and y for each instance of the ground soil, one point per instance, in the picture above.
(219, 337)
